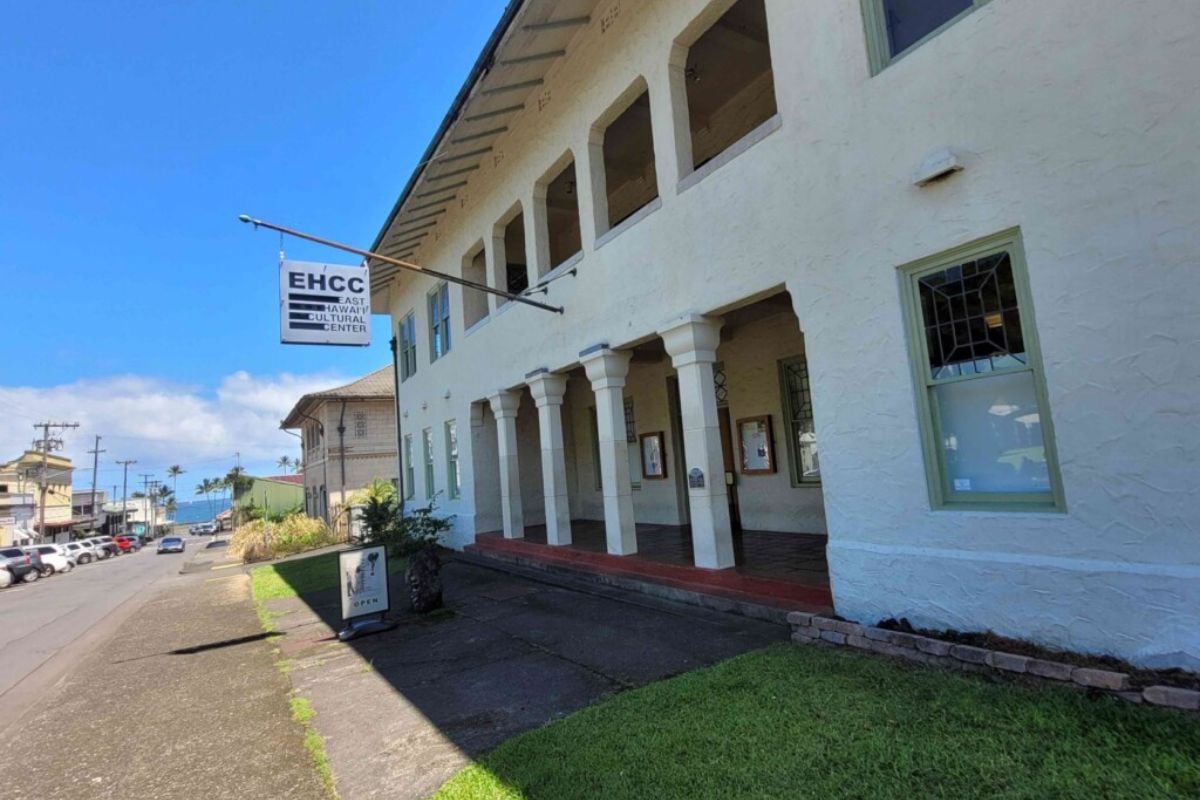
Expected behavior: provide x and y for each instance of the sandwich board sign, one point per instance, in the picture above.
(324, 304)
(363, 575)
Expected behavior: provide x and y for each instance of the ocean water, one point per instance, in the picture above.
(199, 510)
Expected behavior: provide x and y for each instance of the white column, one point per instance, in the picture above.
(692, 343)
(504, 407)
(548, 390)
(606, 369)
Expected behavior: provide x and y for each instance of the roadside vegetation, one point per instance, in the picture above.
(802, 721)
(270, 537)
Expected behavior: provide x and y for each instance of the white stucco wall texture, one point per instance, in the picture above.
(1075, 121)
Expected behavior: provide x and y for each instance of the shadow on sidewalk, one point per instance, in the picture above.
(507, 655)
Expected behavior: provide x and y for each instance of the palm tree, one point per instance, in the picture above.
(284, 463)
(237, 481)
(206, 488)
(173, 472)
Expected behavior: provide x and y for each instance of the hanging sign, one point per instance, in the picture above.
(364, 580)
(324, 304)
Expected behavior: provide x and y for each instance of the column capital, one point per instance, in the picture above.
(547, 388)
(606, 368)
(691, 338)
(505, 403)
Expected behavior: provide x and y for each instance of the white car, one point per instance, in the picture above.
(80, 552)
(54, 556)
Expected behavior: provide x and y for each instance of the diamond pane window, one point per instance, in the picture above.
(720, 384)
(971, 319)
(804, 460)
(985, 417)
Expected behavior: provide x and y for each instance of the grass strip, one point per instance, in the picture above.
(797, 721)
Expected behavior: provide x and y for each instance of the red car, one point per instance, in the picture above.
(124, 543)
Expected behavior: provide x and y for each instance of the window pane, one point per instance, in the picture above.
(972, 323)
(800, 421)
(992, 438)
(909, 21)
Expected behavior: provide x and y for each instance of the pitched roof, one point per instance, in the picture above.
(379, 384)
(299, 479)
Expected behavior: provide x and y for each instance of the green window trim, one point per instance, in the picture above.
(453, 477)
(410, 476)
(942, 495)
(427, 451)
(407, 336)
(879, 51)
(438, 302)
(791, 416)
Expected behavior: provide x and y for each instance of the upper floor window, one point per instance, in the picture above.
(407, 341)
(475, 302)
(360, 424)
(896, 26)
(516, 263)
(730, 85)
(984, 414)
(630, 179)
(562, 216)
(439, 321)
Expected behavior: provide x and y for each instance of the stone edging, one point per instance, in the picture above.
(808, 627)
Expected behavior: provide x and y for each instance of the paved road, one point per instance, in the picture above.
(45, 626)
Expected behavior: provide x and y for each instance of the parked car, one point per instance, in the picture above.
(86, 551)
(105, 546)
(27, 567)
(79, 553)
(204, 529)
(125, 543)
(55, 556)
(171, 544)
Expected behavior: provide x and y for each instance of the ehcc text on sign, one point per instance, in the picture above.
(324, 304)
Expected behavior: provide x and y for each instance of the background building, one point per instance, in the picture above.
(21, 476)
(348, 437)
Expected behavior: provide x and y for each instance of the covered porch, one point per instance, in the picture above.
(688, 456)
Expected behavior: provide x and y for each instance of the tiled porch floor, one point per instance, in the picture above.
(783, 567)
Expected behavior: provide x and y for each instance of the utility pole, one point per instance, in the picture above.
(125, 496)
(95, 451)
(146, 491)
(46, 444)
(152, 496)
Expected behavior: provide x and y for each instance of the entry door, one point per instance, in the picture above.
(735, 517)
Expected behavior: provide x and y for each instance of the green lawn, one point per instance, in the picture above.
(301, 576)
(797, 721)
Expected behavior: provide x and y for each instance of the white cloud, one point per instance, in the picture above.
(160, 423)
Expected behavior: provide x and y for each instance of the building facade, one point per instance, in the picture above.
(918, 278)
(348, 437)
(21, 477)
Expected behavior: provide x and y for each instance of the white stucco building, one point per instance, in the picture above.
(919, 279)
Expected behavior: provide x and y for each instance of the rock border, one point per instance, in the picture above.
(814, 628)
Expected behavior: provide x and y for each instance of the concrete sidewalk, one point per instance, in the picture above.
(183, 701)
(403, 711)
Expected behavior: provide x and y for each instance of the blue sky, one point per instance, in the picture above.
(133, 134)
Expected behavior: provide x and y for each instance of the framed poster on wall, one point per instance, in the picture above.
(757, 445)
(654, 461)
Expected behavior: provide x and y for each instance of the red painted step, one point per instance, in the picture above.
(724, 582)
